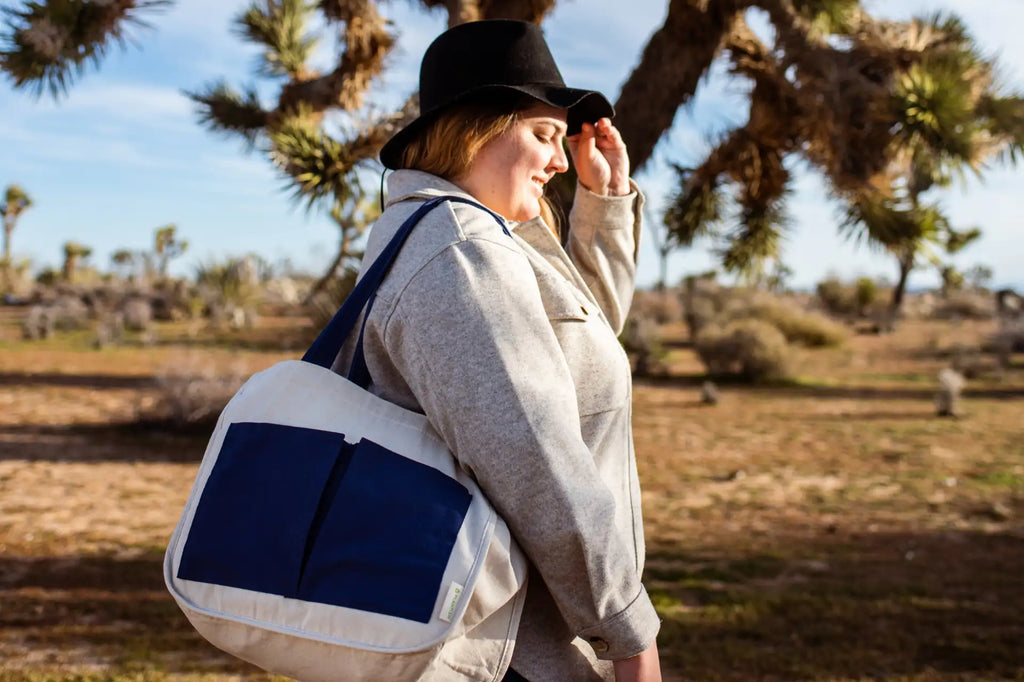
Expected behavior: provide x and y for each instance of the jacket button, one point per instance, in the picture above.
(599, 645)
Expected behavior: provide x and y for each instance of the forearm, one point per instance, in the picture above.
(604, 235)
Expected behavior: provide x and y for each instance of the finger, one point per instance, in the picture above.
(586, 141)
(587, 148)
(608, 135)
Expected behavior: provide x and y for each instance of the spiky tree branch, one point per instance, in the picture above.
(46, 44)
(462, 11)
(366, 41)
(675, 58)
(280, 26)
(226, 110)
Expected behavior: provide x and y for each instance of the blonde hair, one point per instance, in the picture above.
(452, 140)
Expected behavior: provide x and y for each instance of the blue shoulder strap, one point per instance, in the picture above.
(328, 344)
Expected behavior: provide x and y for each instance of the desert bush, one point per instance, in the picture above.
(865, 292)
(137, 314)
(231, 290)
(642, 343)
(323, 306)
(965, 305)
(67, 313)
(38, 324)
(661, 307)
(192, 394)
(797, 325)
(836, 297)
(16, 278)
(752, 349)
(1009, 339)
(703, 301)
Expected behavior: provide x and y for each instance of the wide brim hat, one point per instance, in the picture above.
(480, 58)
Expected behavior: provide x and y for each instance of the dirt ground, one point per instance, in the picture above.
(828, 529)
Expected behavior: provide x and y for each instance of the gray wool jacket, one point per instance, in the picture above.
(508, 345)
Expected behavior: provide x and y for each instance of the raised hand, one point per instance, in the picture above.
(600, 158)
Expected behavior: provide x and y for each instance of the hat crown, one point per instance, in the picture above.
(484, 54)
(482, 58)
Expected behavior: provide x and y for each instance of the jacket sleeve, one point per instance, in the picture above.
(501, 395)
(604, 237)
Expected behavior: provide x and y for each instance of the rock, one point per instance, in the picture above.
(947, 400)
(709, 393)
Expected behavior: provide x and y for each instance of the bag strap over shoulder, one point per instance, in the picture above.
(328, 344)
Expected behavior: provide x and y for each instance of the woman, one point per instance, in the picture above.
(507, 341)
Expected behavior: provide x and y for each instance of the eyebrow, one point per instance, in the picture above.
(554, 123)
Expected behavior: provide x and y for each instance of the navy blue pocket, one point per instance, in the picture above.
(385, 541)
(259, 505)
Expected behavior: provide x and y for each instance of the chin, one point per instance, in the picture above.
(527, 213)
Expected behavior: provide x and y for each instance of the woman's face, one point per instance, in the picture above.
(508, 174)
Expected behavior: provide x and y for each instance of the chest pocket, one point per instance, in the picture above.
(599, 367)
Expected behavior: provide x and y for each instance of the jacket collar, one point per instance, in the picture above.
(406, 185)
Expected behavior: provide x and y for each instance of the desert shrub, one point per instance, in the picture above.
(661, 307)
(642, 343)
(865, 292)
(752, 349)
(965, 305)
(231, 290)
(836, 297)
(192, 394)
(67, 313)
(797, 325)
(703, 301)
(137, 314)
(1009, 339)
(323, 306)
(16, 277)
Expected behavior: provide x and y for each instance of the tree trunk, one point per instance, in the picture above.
(343, 253)
(367, 43)
(523, 10)
(70, 267)
(906, 265)
(663, 252)
(675, 58)
(462, 11)
(8, 229)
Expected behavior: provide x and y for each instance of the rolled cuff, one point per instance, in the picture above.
(626, 634)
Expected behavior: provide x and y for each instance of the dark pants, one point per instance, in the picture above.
(513, 676)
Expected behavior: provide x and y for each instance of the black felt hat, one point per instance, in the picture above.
(480, 57)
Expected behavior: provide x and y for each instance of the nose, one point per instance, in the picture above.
(559, 162)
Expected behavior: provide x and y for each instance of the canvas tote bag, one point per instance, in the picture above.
(331, 535)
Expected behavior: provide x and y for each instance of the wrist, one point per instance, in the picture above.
(609, 190)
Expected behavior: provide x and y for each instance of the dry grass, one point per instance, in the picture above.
(830, 529)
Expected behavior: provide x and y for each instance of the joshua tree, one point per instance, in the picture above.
(16, 202)
(833, 88)
(73, 254)
(352, 219)
(951, 116)
(167, 246)
(877, 107)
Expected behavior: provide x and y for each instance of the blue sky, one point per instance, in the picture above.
(123, 154)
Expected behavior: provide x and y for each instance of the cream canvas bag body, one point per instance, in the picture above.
(331, 535)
